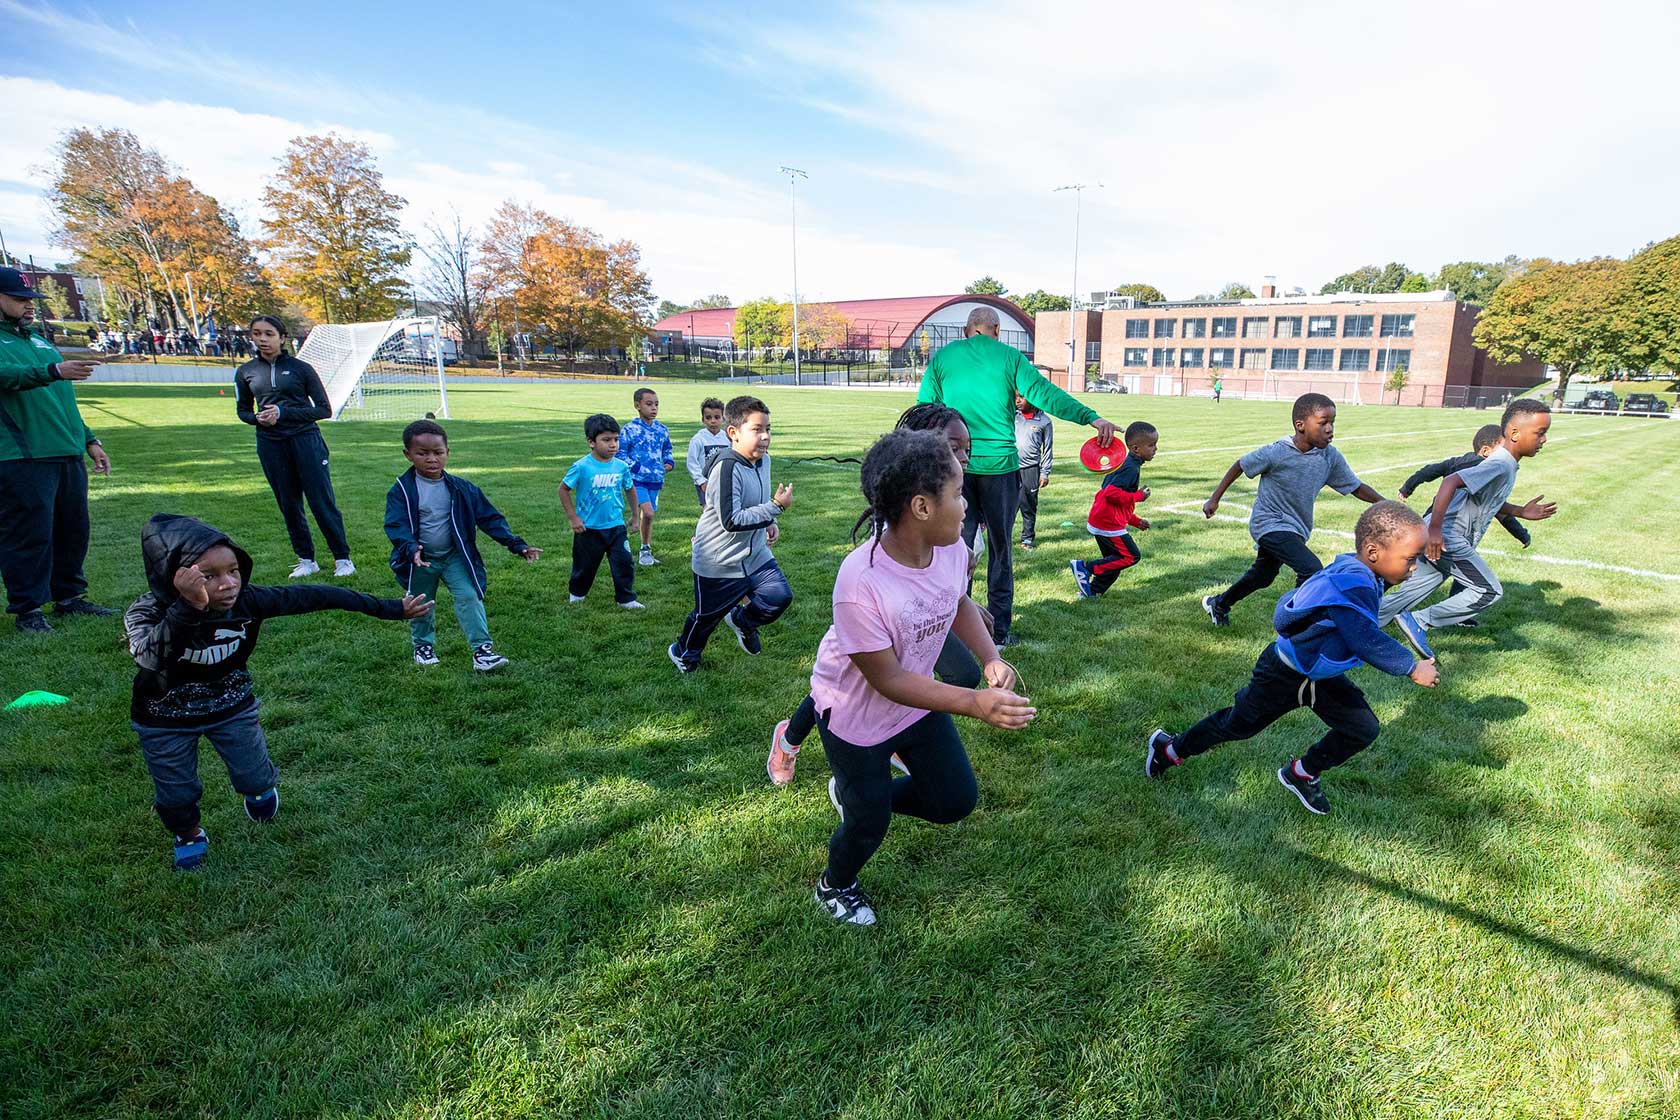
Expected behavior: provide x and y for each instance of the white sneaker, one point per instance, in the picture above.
(633, 605)
(646, 559)
(570, 598)
(486, 659)
(344, 568)
(304, 569)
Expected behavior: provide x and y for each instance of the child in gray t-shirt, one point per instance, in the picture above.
(1464, 507)
(1292, 471)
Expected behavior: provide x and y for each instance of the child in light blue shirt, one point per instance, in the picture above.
(593, 494)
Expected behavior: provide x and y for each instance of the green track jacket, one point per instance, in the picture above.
(38, 414)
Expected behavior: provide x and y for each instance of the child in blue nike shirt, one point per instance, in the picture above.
(645, 444)
(1325, 627)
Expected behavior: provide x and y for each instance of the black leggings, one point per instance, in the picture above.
(940, 788)
(956, 666)
(1272, 552)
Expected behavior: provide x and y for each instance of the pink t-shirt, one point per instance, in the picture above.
(879, 605)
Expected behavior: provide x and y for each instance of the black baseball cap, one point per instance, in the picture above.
(13, 284)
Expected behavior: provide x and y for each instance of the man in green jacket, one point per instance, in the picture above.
(43, 483)
(979, 377)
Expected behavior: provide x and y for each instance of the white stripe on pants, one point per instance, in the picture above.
(1481, 590)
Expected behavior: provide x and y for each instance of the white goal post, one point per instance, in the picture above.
(380, 371)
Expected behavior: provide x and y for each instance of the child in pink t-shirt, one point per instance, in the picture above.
(872, 685)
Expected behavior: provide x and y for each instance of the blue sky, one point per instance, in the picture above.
(1232, 140)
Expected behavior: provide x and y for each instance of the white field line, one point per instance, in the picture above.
(1188, 509)
(1549, 442)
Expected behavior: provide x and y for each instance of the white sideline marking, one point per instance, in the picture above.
(1549, 442)
(1178, 510)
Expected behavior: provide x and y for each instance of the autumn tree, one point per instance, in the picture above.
(764, 322)
(1143, 293)
(337, 246)
(452, 279)
(1560, 314)
(1034, 302)
(568, 285)
(985, 286)
(1647, 318)
(821, 327)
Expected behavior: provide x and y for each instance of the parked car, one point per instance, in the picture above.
(1100, 386)
(1601, 400)
(1645, 402)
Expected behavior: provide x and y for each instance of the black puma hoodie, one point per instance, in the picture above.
(192, 662)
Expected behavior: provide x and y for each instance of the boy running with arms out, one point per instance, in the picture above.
(593, 494)
(191, 637)
(732, 558)
(432, 519)
(1325, 627)
(1112, 517)
(1292, 471)
(646, 447)
(1464, 507)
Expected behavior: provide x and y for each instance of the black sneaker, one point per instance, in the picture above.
(748, 638)
(1219, 615)
(849, 905)
(1305, 788)
(80, 605)
(1156, 761)
(263, 807)
(683, 664)
(486, 659)
(34, 622)
(1004, 641)
(425, 654)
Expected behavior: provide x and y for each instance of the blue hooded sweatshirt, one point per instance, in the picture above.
(469, 511)
(1328, 625)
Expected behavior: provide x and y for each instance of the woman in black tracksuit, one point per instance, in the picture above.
(283, 398)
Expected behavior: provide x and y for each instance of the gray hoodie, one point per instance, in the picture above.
(730, 541)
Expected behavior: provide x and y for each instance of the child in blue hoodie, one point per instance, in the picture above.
(1325, 627)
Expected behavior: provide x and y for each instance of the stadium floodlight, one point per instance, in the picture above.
(1078, 190)
(793, 188)
(391, 370)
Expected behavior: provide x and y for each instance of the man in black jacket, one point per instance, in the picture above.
(283, 398)
(191, 637)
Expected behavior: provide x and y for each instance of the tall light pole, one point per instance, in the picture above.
(794, 175)
(1078, 190)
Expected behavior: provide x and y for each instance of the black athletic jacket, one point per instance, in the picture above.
(1453, 466)
(288, 382)
(192, 662)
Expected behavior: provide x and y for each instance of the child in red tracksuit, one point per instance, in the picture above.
(1112, 515)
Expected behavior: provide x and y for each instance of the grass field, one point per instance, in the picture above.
(567, 890)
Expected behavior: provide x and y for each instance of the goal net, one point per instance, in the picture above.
(380, 371)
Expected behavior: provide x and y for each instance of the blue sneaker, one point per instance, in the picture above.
(263, 806)
(684, 665)
(1081, 577)
(1414, 630)
(190, 854)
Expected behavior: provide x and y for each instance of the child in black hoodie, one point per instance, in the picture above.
(191, 636)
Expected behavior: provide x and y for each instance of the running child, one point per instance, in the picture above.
(732, 558)
(646, 446)
(432, 519)
(593, 494)
(711, 437)
(191, 636)
(1035, 437)
(1325, 627)
(955, 665)
(1486, 439)
(1113, 517)
(872, 683)
(1464, 507)
(1292, 471)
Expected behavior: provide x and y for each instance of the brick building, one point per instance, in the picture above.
(1272, 348)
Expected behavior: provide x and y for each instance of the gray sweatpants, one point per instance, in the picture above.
(1481, 590)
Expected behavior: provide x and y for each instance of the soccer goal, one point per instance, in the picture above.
(380, 371)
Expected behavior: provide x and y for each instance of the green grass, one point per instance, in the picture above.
(567, 890)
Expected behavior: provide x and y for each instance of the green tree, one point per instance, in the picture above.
(333, 230)
(1369, 278)
(1648, 309)
(1034, 302)
(986, 286)
(666, 309)
(1561, 314)
(764, 322)
(58, 298)
(1416, 282)
(1234, 290)
(713, 302)
(1475, 282)
(1143, 293)
(1397, 380)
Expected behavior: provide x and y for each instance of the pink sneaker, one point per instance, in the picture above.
(781, 762)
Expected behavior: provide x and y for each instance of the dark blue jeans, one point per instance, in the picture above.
(767, 595)
(296, 469)
(172, 760)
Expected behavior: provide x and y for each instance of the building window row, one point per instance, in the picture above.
(1283, 358)
(1282, 326)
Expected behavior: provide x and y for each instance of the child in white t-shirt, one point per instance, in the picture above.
(872, 684)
